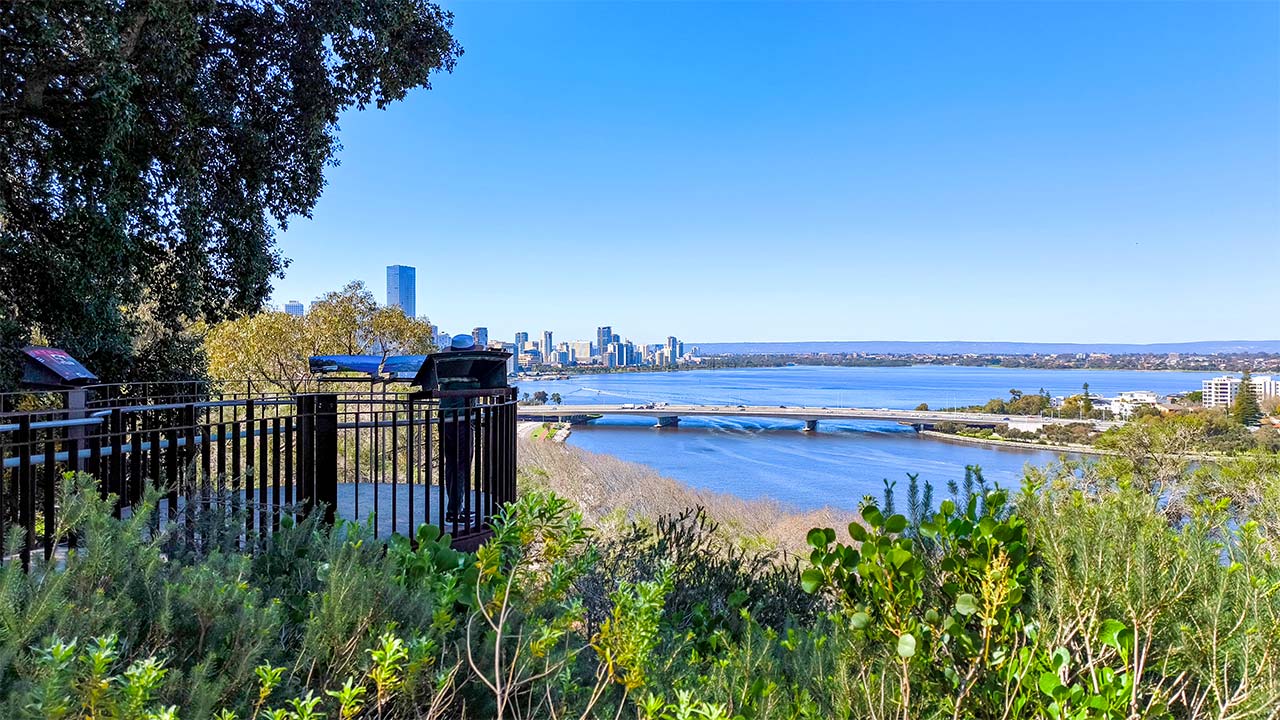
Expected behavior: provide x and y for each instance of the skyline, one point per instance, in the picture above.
(1047, 173)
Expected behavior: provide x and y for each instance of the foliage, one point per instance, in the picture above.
(1019, 403)
(273, 348)
(1245, 410)
(151, 149)
(1087, 595)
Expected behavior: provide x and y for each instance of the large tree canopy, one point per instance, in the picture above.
(150, 148)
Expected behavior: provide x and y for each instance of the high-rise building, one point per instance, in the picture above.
(521, 339)
(1222, 391)
(580, 351)
(402, 288)
(481, 336)
(547, 346)
(673, 350)
(604, 336)
(443, 339)
(294, 308)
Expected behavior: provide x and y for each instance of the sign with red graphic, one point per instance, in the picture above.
(58, 362)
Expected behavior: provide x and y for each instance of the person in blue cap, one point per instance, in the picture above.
(457, 451)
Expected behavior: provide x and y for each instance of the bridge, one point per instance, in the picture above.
(667, 415)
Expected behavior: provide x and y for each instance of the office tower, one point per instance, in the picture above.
(547, 346)
(673, 350)
(481, 336)
(580, 351)
(294, 308)
(402, 288)
(604, 336)
(521, 339)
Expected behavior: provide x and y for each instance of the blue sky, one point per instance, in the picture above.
(1077, 172)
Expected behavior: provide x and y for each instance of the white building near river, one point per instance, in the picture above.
(1222, 391)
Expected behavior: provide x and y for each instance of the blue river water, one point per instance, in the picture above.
(841, 462)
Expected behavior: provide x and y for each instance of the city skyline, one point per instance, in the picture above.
(1035, 172)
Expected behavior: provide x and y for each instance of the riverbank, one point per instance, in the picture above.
(993, 442)
(613, 493)
(1072, 448)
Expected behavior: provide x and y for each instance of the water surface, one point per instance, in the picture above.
(843, 461)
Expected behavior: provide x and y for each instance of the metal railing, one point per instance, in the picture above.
(390, 458)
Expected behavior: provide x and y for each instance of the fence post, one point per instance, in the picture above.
(26, 489)
(325, 474)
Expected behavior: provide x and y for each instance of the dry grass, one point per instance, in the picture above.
(613, 492)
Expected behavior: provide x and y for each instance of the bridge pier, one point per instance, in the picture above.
(665, 421)
(810, 426)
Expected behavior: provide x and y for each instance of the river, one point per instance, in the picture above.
(841, 462)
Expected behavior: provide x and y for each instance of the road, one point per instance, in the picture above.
(807, 414)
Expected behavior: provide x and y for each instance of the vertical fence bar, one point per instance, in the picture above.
(275, 474)
(116, 483)
(355, 488)
(173, 462)
(248, 465)
(289, 479)
(306, 412)
(50, 495)
(326, 454)
(26, 490)
(395, 466)
(408, 470)
(263, 474)
(438, 412)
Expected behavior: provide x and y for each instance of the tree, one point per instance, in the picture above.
(344, 319)
(922, 407)
(271, 349)
(1015, 395)
(274, 348)
(556, 399)
(391, 332)
(1245, 410)
(1086, 403)
(151, 149)
(540, 397)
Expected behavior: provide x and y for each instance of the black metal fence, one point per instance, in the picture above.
(393, 459)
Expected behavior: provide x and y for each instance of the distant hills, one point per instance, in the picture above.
(952, 347)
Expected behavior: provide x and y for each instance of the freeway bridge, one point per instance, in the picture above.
(667, 415)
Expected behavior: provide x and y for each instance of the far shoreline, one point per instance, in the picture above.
(570, 373)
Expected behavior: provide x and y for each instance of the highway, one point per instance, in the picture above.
(808, 415)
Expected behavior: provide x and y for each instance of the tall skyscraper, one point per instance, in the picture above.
(604, 336)
(673, 350)
(521, 339)
(402, 288)
(481, 336)
(294, 308)
(547, 346)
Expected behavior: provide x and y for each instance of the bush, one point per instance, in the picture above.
(1092, 594)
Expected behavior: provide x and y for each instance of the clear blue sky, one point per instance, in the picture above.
(1039, 172)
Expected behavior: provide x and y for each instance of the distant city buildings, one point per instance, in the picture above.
(608, 350)
(604, 336)
(294, 308)
(1222, 391)
(402, 288)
